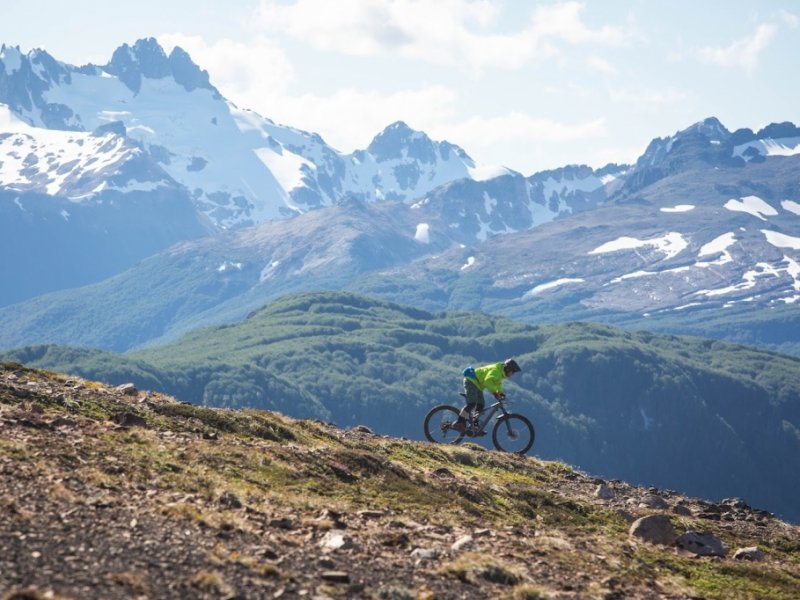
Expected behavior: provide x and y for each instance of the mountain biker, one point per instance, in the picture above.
(489, 377)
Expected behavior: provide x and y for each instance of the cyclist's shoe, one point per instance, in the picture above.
(459, 426)
(476, 430)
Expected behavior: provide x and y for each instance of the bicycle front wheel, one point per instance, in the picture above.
(513, 433)
(438, 425)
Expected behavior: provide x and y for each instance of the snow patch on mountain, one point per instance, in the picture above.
(752, 205)
(750, 278)
(486, 172)
(788, 267)
(791, 206)
(718, 245)
(781, 240)
(268, 271)
(633, 275)
(285, 166)
(558, 187)
(680, 208)
(768, 147)
(11, 123)
(551, 285)
(227, 266)
(793, 270)
(422, 233)
(671, 244)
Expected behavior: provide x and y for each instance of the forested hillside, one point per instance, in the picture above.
(699, 416)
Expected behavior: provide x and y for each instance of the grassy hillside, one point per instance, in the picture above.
(699, 416)
(108, 495)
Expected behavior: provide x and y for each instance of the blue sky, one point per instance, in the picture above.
(528, 85)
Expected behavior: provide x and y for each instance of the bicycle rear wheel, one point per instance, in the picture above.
(513, 433)
(438, 425)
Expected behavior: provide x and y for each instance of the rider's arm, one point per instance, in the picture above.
(494, 380)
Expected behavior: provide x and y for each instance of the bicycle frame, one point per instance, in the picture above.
(490, 412)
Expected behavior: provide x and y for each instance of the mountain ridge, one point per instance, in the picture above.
(693, 246)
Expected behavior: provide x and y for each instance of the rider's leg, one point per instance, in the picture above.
(473, 397)
(468, 408)
(476, 415)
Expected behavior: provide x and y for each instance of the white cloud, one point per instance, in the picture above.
(743, 53)
(647, 98)
(563, 21)
(791, 19)
(515, 126)
(600, 64)
(461, 33)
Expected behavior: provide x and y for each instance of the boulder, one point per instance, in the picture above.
(655, 529)
(128, 389)
(335, 540)
(653, 501)
(702, 544)
(604, 492)
(425, 553)
(750, 553)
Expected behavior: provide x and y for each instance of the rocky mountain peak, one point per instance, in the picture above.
(24, 78)
(399, 141)
(710, 128)
(705, 143)
(187, 73)
(776, 131)
(146, 58)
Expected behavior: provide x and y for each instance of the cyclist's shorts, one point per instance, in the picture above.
(473, 394)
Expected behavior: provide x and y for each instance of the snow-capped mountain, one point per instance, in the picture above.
(240, 168)
(77, 207)
(73, 164)
(709, 144)
(150, 129)
(103, 166)
(507, 203)
(706, 248)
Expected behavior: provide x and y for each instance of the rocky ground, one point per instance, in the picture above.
(114, 493)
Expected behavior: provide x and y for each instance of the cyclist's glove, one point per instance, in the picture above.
(500, 395)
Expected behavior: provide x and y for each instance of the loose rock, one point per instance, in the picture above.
(463, 543)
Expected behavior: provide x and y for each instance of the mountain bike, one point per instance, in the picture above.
(512, 432)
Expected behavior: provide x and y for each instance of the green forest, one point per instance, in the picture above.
(696, 415)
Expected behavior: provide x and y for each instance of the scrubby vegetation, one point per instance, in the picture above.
(701, 416)
(116, 494)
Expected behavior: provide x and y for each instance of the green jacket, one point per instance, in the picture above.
(489, 377)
